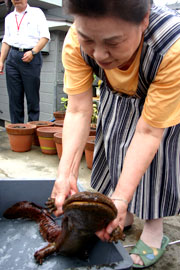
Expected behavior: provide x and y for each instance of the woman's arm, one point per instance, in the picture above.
(141, 152)
(75, 133)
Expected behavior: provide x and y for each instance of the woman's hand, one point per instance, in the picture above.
(121, 206)
(61, 190)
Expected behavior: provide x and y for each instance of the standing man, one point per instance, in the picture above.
(26, 33)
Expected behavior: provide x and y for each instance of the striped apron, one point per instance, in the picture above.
(158, 194)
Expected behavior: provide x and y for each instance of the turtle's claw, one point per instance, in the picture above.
(50, 205)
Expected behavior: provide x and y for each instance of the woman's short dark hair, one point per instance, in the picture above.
(128, 10)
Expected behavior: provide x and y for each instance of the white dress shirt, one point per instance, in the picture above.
(32, 27)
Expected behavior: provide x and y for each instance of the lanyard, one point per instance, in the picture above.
(18, 25)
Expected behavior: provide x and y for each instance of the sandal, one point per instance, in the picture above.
(149, 255)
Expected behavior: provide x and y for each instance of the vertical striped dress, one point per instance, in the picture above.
(158, 194)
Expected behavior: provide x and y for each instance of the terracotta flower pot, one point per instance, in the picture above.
(59, 115)
(93, 126)
(89, 151)
(39, 124)
(92, 132)
(46, 139)
(58, 142)
(59, 123)
(20, 136)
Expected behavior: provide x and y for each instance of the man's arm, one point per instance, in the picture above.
(4, 52)
(40, 45)
(28, 56)
(44, 37)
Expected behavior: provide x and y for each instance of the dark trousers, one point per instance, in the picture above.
(23, 79)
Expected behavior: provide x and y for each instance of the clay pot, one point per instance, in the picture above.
(89, 151)
(59, 115)
(93, 126)
(59, 123)
(39, 124)
(92, 132)
(58, 142)
(20, 136)
(46, 139)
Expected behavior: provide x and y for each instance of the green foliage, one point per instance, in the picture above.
(97, 83)
(64, 102)
(95, 113)
(95, 77)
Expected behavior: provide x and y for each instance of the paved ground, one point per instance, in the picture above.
(35, 165)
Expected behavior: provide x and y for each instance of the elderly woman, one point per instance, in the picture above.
(133, 46)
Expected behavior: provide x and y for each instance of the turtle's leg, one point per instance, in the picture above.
(117, 234)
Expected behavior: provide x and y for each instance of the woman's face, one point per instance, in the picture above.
(111, 42)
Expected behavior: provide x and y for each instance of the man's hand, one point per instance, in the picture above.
(1, 68)
(27, 57)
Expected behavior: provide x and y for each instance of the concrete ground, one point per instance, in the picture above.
(36, 165)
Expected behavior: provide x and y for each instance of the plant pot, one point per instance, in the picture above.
(39, 124)
(92, 132)
(89, 151)
(59, 123)
(93, 126)
(46, 139)
(20, 136)
(58, 142)
(59, 115)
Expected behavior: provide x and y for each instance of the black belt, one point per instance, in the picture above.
(21, 49)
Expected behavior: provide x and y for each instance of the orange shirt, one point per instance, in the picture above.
(162, 104)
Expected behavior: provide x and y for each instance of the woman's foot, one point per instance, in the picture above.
(152, 236)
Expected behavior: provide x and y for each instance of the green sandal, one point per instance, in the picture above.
(149, 255)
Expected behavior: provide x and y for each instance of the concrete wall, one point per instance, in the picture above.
(4, 102)
(52, 77)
